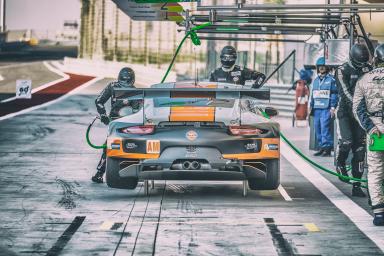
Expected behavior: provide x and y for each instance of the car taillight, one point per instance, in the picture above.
(142, 129)
(244, 130)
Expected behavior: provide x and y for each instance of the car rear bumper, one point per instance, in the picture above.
(224, 172)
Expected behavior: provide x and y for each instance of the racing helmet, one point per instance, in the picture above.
(228, 56)
(359, 55)
(379, 56)
(126, 77)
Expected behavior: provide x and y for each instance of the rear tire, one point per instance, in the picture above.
(113, 178)
(272, 180)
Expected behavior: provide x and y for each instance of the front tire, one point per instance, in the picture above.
(113, 178)
(272, 180)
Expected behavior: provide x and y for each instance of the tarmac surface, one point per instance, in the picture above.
(49, 206)
(36, 71)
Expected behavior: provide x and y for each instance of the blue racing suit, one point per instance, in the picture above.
(323, 97)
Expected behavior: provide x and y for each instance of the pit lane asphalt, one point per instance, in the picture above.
(48, 205)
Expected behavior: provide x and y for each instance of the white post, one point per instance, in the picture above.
(2, 15)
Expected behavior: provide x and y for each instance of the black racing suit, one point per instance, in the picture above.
(104, 96)
(238, 75)
(351, 135)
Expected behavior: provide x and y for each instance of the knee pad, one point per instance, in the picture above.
(345, 145)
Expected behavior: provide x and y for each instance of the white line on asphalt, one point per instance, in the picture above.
(284, 193)
(41, 87)
(18, 65)
(355, 213)
(75, 91)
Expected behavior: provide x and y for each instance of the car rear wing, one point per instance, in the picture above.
(140, 93)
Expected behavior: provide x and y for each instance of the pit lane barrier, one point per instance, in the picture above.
(378, 142)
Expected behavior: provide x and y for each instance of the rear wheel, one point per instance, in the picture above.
(272, 180)
(113, 178)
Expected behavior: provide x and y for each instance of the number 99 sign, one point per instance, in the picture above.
(23, 89)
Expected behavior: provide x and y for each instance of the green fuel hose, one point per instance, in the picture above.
(313, 163)
(194, 38)
(87, 136)
(174, 57)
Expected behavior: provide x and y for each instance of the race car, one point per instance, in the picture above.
(194, 131)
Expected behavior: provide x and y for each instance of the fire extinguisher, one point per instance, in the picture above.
(301, 102)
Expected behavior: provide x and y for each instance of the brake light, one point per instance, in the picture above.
(244, 130)
(143, 129)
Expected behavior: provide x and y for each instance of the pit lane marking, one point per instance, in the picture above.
(107, 225)
(41, 87)
(46, 104)
(311, 227)
(361, 218)
(284, 193)
(66, 236)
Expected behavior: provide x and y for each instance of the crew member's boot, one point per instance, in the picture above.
(319, 153)
(98, 177)
(378, 220)
(327, 152)
(357, 191)
(342, 170)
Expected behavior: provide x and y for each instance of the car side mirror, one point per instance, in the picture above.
(271, 111)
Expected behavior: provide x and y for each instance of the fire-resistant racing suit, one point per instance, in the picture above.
(368, 108)
(105, 95)
(238, 75)
(351, 135)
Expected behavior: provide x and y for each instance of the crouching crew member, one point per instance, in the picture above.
(368, 108)
(324, 100)
(234, 74)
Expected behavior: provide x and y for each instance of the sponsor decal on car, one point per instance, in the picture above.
(153, 146)
(191, 135)
(131, 145)
(250, 146)
(271, 147)
(115, 146)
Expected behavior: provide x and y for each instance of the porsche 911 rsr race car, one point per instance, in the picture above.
(189, 131)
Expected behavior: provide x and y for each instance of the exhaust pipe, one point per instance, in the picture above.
(186, 165)
(195, 165)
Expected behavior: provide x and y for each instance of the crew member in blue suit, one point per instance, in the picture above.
(324, 100)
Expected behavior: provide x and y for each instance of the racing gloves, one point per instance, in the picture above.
(104, 119)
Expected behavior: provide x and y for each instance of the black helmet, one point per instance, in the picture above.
(359, 55)
(228, 56)
(379, 55)
(126, 77)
